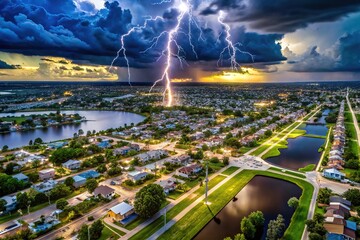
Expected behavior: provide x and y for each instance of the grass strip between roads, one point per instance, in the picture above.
(188, 226)
(159, 222)
(229, 170)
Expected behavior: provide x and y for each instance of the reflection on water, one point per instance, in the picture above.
(266, 194)
(301, 152)
(97, 120)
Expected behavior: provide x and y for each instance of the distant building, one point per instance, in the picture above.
(121, 211)
(72, 164)
(104, 191)
(47, 174)
(21, 177)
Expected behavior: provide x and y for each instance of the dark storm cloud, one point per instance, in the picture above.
(282, 16)
(342, 57)
(4, 65)
(59, 28)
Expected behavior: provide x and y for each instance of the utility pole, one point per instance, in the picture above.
(88, 232)
(206, 183)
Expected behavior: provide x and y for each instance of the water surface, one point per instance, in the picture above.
(265, 194)
(97, 120)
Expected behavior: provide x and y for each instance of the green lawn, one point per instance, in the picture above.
(201, 214)
(11, 119)
(275, 151)
(158, 223)
(308, 168)
(107, 233)
(121, 233)
(229, 170)
(140, 220)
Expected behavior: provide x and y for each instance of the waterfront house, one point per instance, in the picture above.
(333, 173)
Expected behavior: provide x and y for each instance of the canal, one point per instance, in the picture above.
(303, 150)
(96, 120)
(265, 194)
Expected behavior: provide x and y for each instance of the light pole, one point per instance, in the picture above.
(206, 183)
(165, 219)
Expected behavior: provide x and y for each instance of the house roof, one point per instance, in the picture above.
(103, 190)
(20, 176)
(122, 208)
(334, 170)
(71, 161)
(47, 170)
(78, 178)
(340, 200)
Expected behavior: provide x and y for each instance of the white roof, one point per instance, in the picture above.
(121, 208)
(334, 170)
(47, 170)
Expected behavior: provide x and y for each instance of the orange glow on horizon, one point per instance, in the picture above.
(246, 75)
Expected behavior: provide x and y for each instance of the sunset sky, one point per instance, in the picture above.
(77, 40)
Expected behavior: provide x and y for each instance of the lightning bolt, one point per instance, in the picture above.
(231, 48)
(172, 49)
(184, 8)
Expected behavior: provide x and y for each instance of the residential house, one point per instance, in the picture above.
(122, 150)
(168, 185)
(21, 177)
(90, 174)
(136, 175)
(45, 186)
(72, 164)
(187, 171)
(47, 174)
(104, 191)
(335, 220)
(333, 173)
(79, 181)
(121, 211)
(10, 204)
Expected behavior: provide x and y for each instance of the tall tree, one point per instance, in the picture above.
(248, 228)
(91, 185)
(148, 200)
(276, 228)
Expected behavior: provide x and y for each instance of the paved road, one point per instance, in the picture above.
(354, 118)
